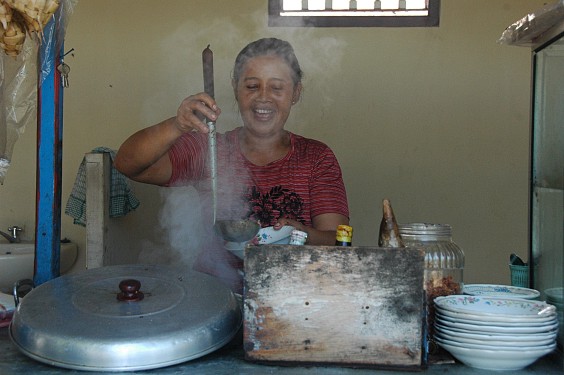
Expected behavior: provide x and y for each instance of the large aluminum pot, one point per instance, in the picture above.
(125, 318)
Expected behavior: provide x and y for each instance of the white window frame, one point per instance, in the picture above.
(320, 13)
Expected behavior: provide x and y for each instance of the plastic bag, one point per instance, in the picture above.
(524, 31)
(19, 79)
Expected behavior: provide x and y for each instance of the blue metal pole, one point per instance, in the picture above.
(49, 158)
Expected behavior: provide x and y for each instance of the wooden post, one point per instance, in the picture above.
(97, 207)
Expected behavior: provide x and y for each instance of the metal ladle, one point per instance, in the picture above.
(230, 230)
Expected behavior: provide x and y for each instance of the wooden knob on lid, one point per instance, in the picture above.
(130, 291)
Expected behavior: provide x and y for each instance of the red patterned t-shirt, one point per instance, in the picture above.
(303, 184)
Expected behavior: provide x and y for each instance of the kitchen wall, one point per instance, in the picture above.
(435, 119)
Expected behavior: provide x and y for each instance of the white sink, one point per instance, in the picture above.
(17, 262)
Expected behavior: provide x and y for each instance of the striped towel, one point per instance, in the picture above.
(122, 200)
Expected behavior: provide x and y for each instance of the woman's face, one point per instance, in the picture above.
(265, 93)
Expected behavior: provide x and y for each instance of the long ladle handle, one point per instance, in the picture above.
(207, 62)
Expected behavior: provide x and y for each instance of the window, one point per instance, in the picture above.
(353, 13)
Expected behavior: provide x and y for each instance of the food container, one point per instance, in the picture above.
(125, 318)
(298, 237)
(444, 261)
(519, 275)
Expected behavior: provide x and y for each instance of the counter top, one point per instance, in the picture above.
(229, 360)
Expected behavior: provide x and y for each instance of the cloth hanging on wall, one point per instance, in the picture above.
(122, 199)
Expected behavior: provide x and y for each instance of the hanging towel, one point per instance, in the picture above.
(122, 200)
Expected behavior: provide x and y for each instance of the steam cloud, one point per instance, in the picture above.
(184, 217)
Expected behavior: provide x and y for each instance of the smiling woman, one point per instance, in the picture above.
(265, 173)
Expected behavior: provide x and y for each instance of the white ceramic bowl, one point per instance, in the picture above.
(497, 339)
(495, 320)
(489, 346)
(505, 291)
(489, 329)
(462, 341)
(495, 306)
(271, 236)
(497, 360)
(534, 334)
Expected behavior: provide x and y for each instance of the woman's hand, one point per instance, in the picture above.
(143, 156)
(323, 231)
(192, 112)
(296, 224)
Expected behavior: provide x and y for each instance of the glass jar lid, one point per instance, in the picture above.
(436, 239)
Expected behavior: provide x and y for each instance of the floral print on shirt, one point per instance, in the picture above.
(279, 202)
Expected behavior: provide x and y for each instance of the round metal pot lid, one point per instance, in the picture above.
(85, 321)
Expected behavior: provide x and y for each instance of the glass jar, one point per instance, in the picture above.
(444, 261)
(344, 235)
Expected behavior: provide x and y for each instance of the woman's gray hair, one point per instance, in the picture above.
(264, 47)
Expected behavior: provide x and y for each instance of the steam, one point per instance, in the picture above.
(182, 227)
(184, 218)
(319, 56)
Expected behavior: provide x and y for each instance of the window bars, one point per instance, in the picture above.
(354, 13)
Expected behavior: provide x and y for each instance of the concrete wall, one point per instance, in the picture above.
(435, 119)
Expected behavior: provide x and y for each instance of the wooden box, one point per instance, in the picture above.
(347, 306)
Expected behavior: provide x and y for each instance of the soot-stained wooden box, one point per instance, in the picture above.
(348, 306)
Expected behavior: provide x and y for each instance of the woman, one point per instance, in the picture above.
(281, 178)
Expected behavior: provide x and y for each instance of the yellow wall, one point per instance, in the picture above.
(435, 119)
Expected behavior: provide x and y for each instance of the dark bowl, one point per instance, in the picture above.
(236, 230)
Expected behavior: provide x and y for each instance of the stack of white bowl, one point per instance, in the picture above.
(495, 333)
